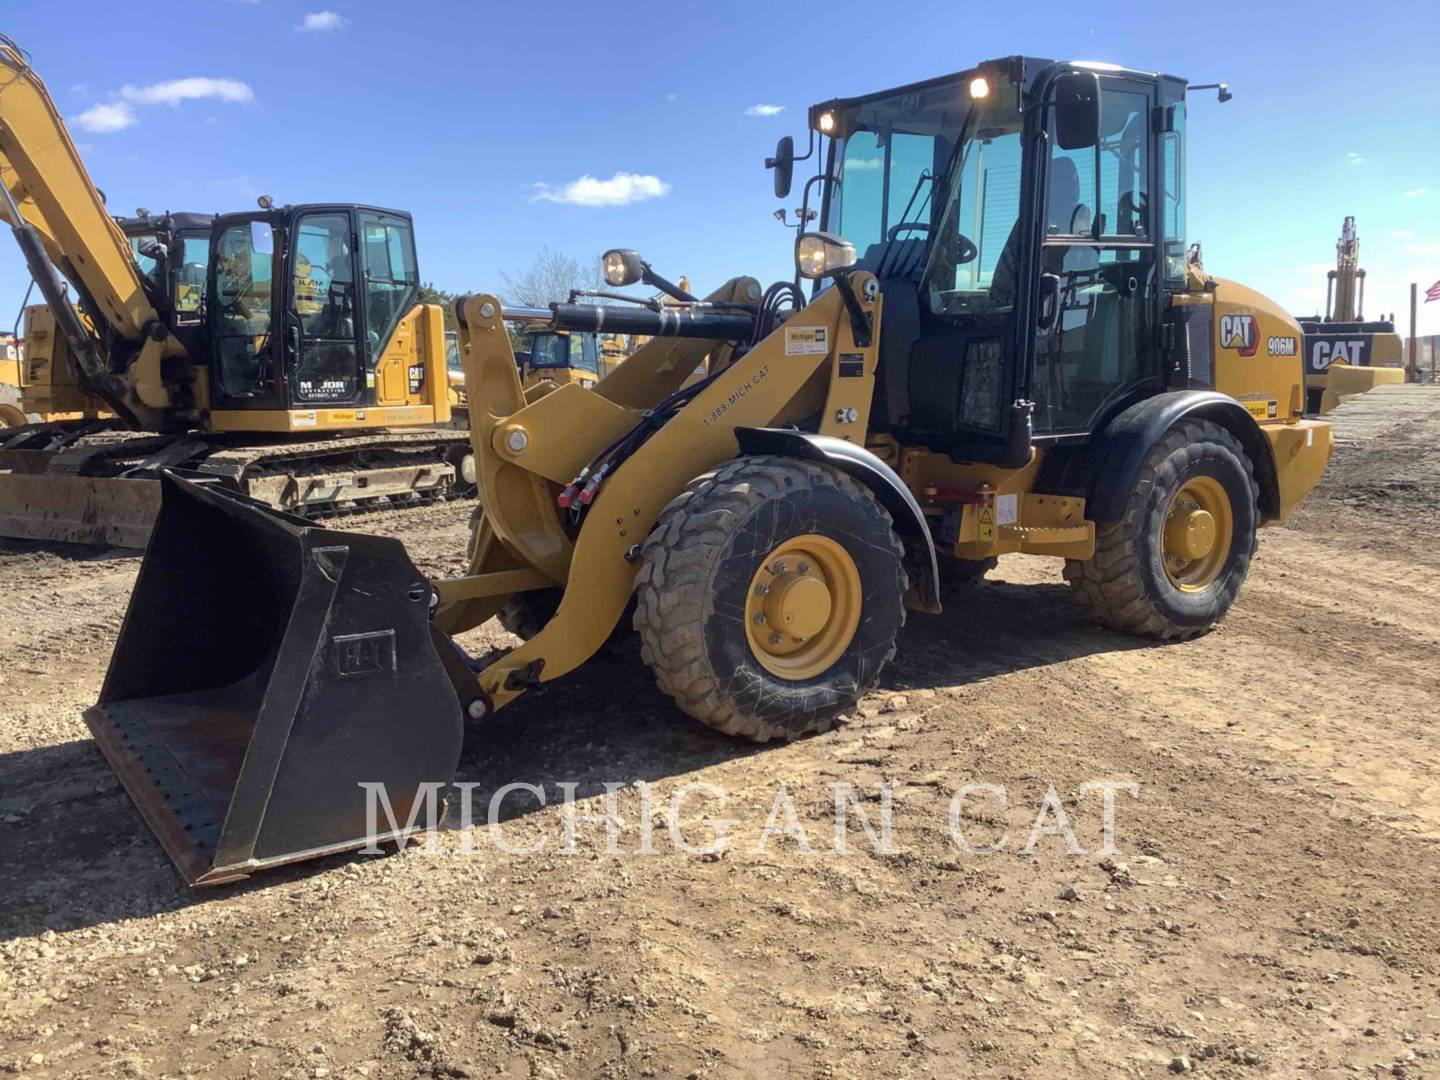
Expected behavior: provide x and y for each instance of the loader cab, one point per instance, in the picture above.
(303, 301)
(1024, 219)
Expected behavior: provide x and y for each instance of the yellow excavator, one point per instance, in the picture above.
(281, 350)
(1005, 348)
(1346, 355)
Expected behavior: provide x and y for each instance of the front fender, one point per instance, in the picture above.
(882, 481)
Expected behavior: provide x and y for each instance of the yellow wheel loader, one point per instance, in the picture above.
(282, 351)
(1005, 349)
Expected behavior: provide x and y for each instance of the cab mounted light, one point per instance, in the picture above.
(623, 266)
(826, 123)
(818, 254)
(979, 88)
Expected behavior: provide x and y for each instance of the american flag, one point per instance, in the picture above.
(1432, 293)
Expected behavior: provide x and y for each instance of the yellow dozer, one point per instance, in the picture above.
(1005, 349)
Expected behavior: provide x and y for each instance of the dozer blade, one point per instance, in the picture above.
(78, 509)
(266, 669)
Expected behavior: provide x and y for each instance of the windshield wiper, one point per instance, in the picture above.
(899, 226)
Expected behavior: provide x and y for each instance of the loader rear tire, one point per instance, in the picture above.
(734, 558)
(1143, 578)
(11, 414)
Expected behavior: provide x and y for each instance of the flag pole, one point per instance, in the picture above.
(1413, 375)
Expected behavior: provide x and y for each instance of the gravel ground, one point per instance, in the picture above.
(1270, 908)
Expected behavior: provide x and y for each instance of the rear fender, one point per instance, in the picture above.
(882, 481)
(1110, 465)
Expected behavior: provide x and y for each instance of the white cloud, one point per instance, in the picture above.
(1352, 158)
(1414, 193)
(1402, 234)
(622, 189)
(1314, 269)
(764, 110)
(107, 117)
(672, 96)
(1429, 249)
(174, 91)
(322, 21)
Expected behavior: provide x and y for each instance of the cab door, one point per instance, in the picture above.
(323, 354)
(1096, 344)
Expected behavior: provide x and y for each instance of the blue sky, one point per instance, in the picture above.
(479, 118)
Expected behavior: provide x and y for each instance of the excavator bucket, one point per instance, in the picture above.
(267, 673)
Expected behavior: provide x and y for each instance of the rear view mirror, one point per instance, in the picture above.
(1077, 110)
(784, 165)
(260, 238)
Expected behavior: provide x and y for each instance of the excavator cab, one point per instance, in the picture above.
(303, 301)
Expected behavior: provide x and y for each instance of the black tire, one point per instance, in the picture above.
(1125, 584)
(698, 564)
(11, 414)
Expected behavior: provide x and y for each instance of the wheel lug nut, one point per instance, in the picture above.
(781, 568)
(804, 568)
(775, 639)
(759, 618)
(762, 590)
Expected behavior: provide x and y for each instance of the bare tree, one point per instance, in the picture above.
(549, 278)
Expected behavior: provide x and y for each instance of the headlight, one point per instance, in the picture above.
(827, 123)
(622, 267)
(818, 254)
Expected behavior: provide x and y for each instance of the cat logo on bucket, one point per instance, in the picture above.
(1239, 332)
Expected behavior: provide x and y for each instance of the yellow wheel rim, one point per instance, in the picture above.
(1198, 531)
(803, 607)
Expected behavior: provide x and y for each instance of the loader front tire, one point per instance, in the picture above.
(770, 596)
(1173, 564)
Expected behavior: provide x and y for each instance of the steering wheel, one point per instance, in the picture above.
(965, 249)
(907, 226)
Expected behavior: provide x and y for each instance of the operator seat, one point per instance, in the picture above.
(1060, 215)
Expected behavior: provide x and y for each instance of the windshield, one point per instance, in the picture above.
(906, 195)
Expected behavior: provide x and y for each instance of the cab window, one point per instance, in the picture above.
(240, 316)
(392, 284)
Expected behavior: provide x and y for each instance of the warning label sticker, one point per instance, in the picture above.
(806, 340)
(985, 526)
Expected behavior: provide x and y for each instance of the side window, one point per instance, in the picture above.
(581, 357)
(190, 282)
(1124, 172)
(242, 278)
(1117, 192)
(323, 276)
(144, 262)
(240, 310)
(392, 283)
(1172, 150)
(986, 213)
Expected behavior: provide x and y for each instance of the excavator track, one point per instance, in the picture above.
(97, 486)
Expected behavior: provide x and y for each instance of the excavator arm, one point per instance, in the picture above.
(59, 219)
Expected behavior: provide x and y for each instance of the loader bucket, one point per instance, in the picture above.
(266, 669)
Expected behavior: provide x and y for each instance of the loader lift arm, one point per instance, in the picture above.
(59, 219)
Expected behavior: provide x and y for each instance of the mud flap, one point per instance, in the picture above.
(266, 669)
